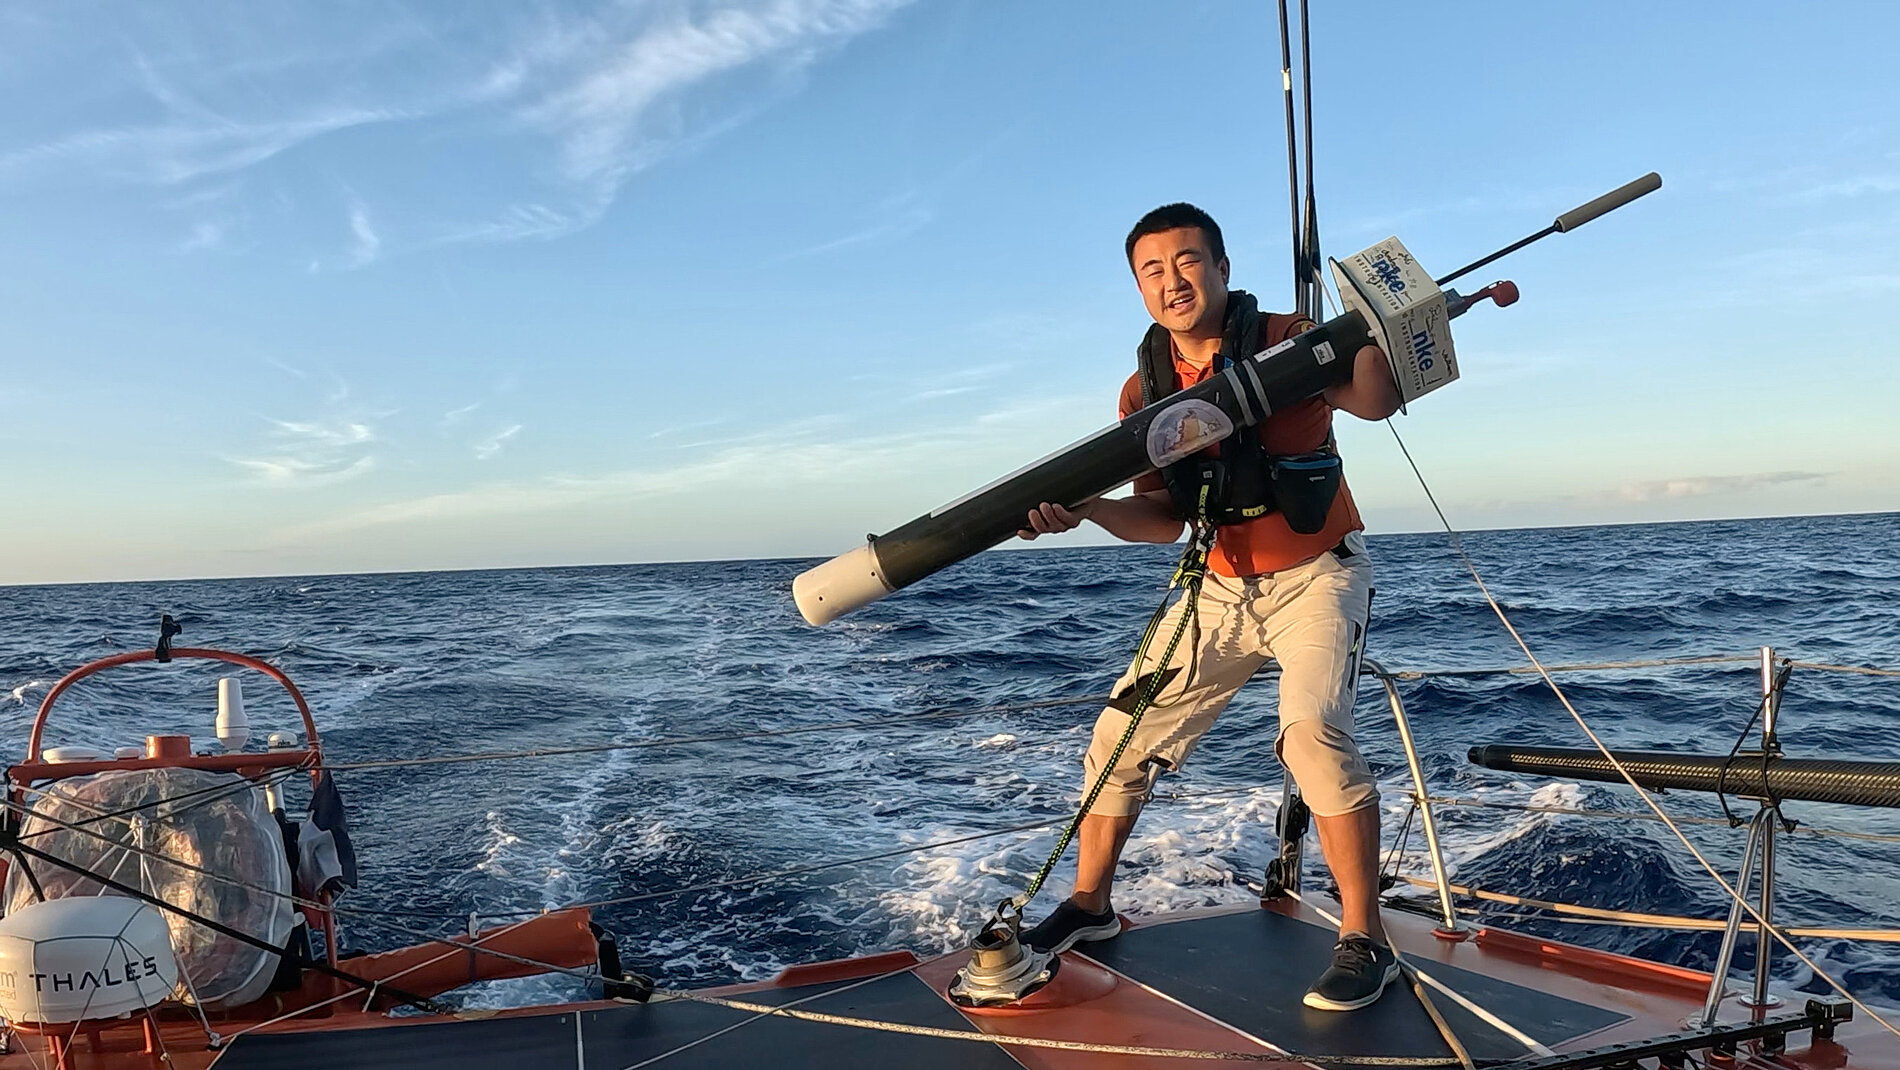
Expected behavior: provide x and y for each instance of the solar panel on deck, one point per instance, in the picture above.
(617, 1037)
(1250, 970)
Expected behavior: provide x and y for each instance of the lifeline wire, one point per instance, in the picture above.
(143, 852)
(1631, 815)
(204, 796)
(1409, 675)
(723, 737)
(1457, 544)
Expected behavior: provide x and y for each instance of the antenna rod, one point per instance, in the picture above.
(1292, 166)
(1571, 220)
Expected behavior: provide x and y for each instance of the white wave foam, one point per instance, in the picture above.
(500, 839)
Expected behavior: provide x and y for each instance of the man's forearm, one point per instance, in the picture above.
(1137, 519)
(1370, 394)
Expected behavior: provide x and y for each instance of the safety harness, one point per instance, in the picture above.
(1242, 481)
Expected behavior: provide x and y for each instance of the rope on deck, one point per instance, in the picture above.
(765, 1009)
(1651, 921)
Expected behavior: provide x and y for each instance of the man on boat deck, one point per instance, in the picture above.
(1271, 592)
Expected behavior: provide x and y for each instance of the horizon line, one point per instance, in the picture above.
(1026, 547)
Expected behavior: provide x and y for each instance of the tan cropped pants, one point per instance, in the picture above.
(1311, 618)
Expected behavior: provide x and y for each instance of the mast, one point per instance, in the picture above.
(1302, 208)
(1293, 162)
(1309, 283)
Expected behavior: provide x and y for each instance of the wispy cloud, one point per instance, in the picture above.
(293, 471)
(1842, 188)
(205, 234)
(787, 465)
(180, 150)
(565, 106)
(310, 453)
(492, 445)
(903, 216)
(365, 243)
(695, 425)
(294, 373)
(808, 452)
(349, 433)
(907, 211)
(1704, 486)
(939, 392)
(604, 116)
(456, 416)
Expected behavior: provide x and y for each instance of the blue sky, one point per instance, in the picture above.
(346, 286)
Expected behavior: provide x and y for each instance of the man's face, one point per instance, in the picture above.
(1182, 284)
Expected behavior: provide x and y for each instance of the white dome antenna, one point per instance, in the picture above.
(84, 958)
(234, 729)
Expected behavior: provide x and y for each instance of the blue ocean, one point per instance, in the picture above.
(456, 663)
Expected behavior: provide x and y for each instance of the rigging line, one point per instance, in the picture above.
(1063, 1045)
(1861, 669)
(1397, 854)
(796, 871)
(215, 926)
(722, 737)
(794, 1003)
(351, 993)
(1767, 703)
(1483, 1015)
(112, 945)
(146, 852)
(753, 878)
(138, 829)
(1188, 575)
(1684, 819)
(225, 930)
(218, 792)
(1733, 894)
(1582, 666)
(292, 898)
(1872, 936)
(1572, 912)
(1409, 675)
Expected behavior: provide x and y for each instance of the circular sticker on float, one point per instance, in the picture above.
(1186, 428)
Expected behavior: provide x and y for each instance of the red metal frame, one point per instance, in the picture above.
(250, 765)
(186, 652)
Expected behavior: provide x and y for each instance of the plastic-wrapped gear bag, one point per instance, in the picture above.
(215, 821)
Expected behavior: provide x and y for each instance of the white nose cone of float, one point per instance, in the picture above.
(234, 729)
(840, 585)
(84, 958)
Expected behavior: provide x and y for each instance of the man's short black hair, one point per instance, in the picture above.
(1173, 217)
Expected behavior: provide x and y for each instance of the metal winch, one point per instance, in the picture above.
(1001, 970)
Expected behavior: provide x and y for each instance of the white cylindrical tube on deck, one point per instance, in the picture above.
(234, 729)
(840, 585)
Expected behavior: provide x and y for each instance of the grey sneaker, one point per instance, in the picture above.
(1070, 925)
(1360, 971)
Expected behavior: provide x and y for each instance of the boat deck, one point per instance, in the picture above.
(1219, 980)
